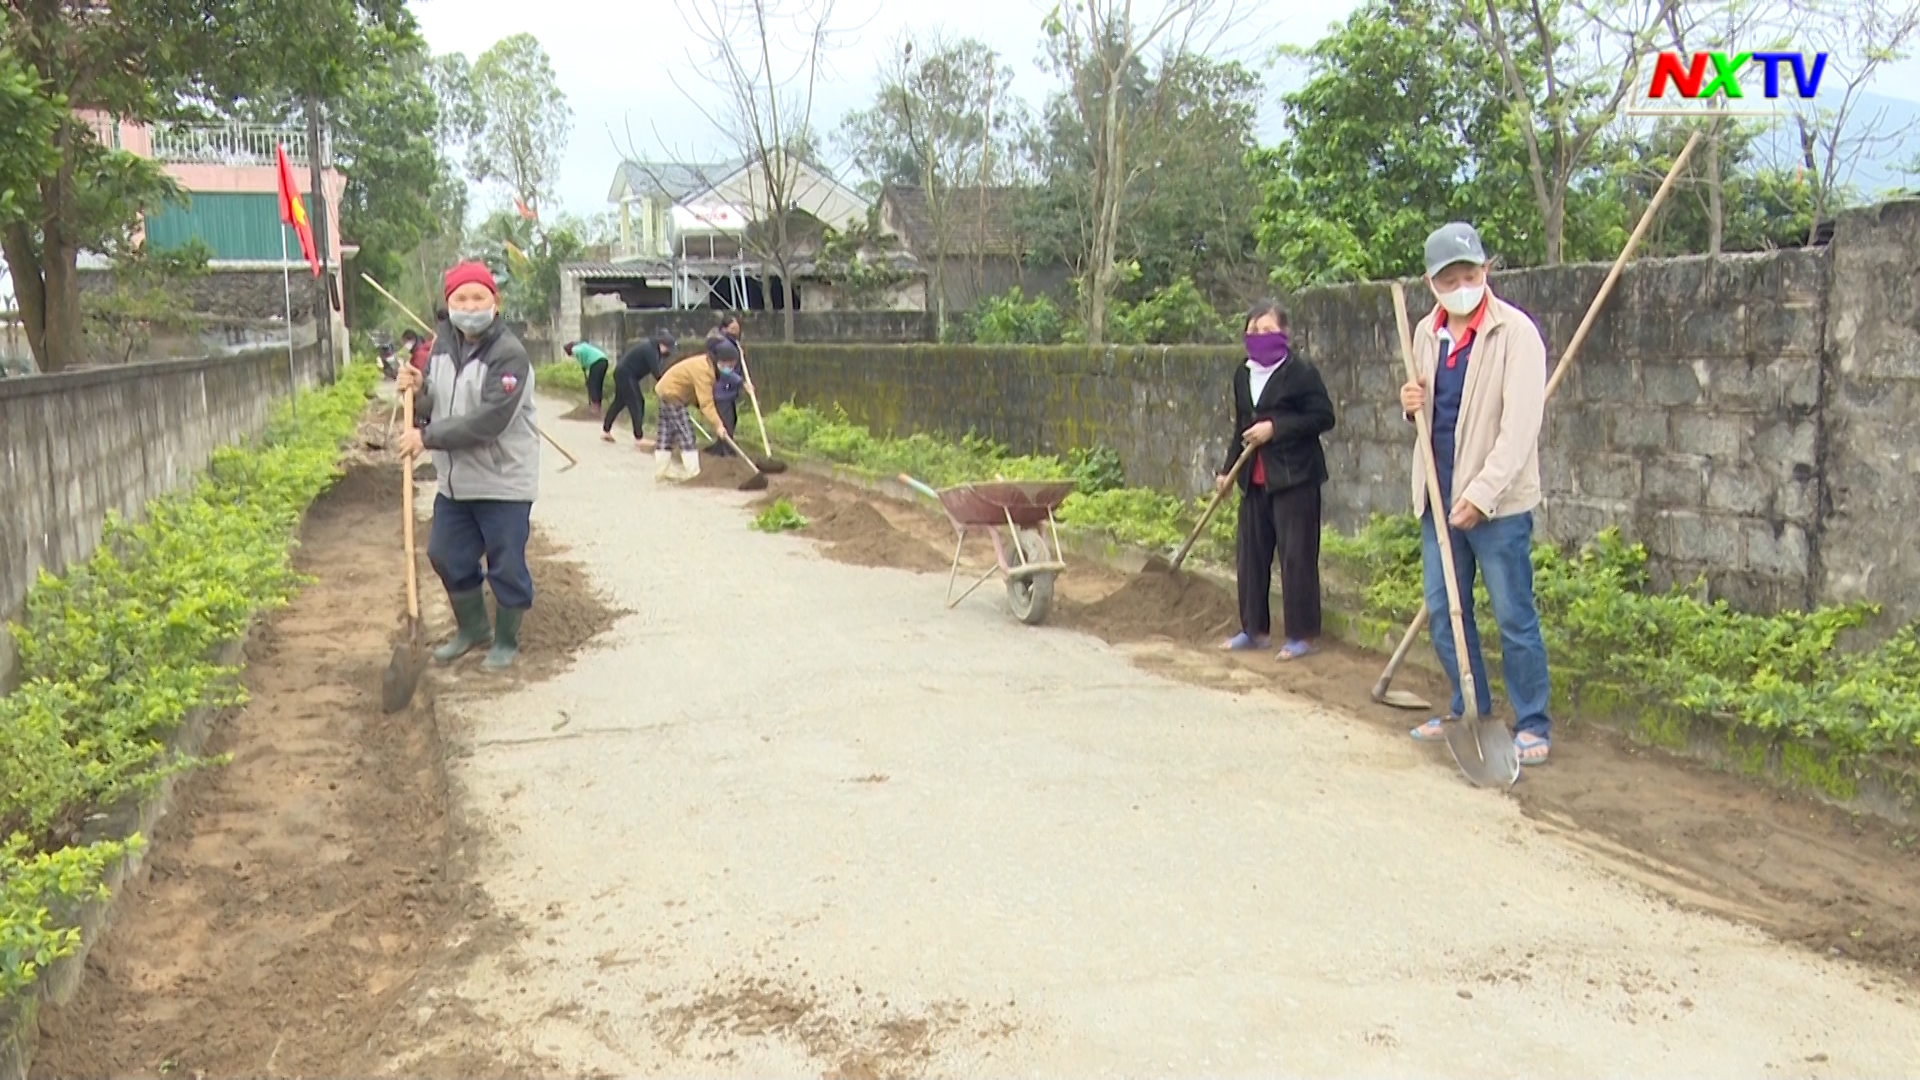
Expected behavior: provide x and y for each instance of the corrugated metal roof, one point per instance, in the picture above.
(674, 180)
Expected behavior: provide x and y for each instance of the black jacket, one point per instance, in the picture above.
(1296, 400)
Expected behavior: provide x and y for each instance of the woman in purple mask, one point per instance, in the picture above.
(1280, 405)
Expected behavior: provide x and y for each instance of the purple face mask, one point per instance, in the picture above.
(1266, 350)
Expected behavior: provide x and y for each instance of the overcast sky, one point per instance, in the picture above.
(612, 58)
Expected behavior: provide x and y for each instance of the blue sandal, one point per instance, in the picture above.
(1532, 748)
(1245, 642)
(1430, 731)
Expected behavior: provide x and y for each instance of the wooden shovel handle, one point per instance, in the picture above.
(1219, 494)
(1437, 506)
(406, 514)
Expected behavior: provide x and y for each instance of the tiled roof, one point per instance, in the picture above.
(984, 221)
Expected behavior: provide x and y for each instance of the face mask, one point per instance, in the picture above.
(471, 322)
(1266, 350)
(1462, 301)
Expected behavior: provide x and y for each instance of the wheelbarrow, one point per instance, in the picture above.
(1010, 513)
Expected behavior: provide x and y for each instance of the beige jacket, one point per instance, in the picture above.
(1496, 459)
(690, 383)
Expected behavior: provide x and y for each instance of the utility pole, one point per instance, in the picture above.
(317, 203)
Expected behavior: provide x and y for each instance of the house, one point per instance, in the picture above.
(230, 177)
(683, 241)
(978, 248)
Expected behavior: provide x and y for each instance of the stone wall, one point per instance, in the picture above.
(1753, 419)
(84, 444)
(1870, 442)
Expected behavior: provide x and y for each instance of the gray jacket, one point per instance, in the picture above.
(476, 412)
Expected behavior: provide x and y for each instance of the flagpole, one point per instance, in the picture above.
(286, 288)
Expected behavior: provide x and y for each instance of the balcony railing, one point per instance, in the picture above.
(228, 144)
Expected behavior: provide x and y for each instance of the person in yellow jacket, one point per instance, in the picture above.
(687, 384)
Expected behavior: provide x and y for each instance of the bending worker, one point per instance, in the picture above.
(475, 411)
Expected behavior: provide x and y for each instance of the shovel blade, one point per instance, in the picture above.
(1403, 699)
(770, 465)
(402, 677)
(756, 482)
(1484, 751)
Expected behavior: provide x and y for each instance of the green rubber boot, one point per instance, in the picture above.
(470, 614)
(506, 639)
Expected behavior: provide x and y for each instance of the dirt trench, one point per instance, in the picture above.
(308, 907)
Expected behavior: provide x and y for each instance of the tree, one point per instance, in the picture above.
(523, 120)
(764, 61)
(1120, 104)
(944, 118)
(142, 61)
(1860, 38)
(1398, 127)
(1565, 71)
(526, 260)
(383, 140)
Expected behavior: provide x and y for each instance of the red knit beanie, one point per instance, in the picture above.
(468, 273)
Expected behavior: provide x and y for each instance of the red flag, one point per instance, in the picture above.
(292, 212)
(525, 211)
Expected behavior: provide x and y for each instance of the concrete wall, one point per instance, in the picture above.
(81, 445)
(1754, 419)
(1870, 447)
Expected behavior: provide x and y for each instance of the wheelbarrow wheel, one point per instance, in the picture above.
(1030, 598)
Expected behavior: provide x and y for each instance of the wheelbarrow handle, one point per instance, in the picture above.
(919, 487)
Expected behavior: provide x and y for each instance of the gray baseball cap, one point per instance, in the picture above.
(1454, 242)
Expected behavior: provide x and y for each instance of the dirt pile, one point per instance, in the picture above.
(582, 411)
(722, 472)
(851, 530)
(300, 901)
(1183, 607)
(568, 611)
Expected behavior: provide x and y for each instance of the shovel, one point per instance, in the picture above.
(402, 676)
(1484, 750)
(756, 482)
(771, 466)
(1401, 699)
(1160, 566)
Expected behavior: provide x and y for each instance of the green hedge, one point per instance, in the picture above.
(114, 655)
(1613, 639)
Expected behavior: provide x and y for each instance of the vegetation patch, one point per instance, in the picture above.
(114, 656)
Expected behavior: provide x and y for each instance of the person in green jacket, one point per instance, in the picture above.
(595, 363)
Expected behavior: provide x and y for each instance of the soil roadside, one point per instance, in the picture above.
(307, 907)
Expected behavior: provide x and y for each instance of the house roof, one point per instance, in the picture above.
(996, 231)
(674, 180)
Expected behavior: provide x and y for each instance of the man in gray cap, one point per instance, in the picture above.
(1486, 432)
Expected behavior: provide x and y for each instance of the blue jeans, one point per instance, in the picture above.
(1502, 548)
(467, 530)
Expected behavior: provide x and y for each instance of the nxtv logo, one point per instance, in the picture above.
(1692, 82)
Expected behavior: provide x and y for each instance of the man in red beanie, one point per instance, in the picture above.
(474, 408)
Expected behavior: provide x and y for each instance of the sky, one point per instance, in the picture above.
(612, 58)
(626, 66)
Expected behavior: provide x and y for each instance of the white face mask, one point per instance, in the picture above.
(1462, 301)
(471, 322)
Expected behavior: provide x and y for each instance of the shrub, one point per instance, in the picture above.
(114, 656)
(1011, 319)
